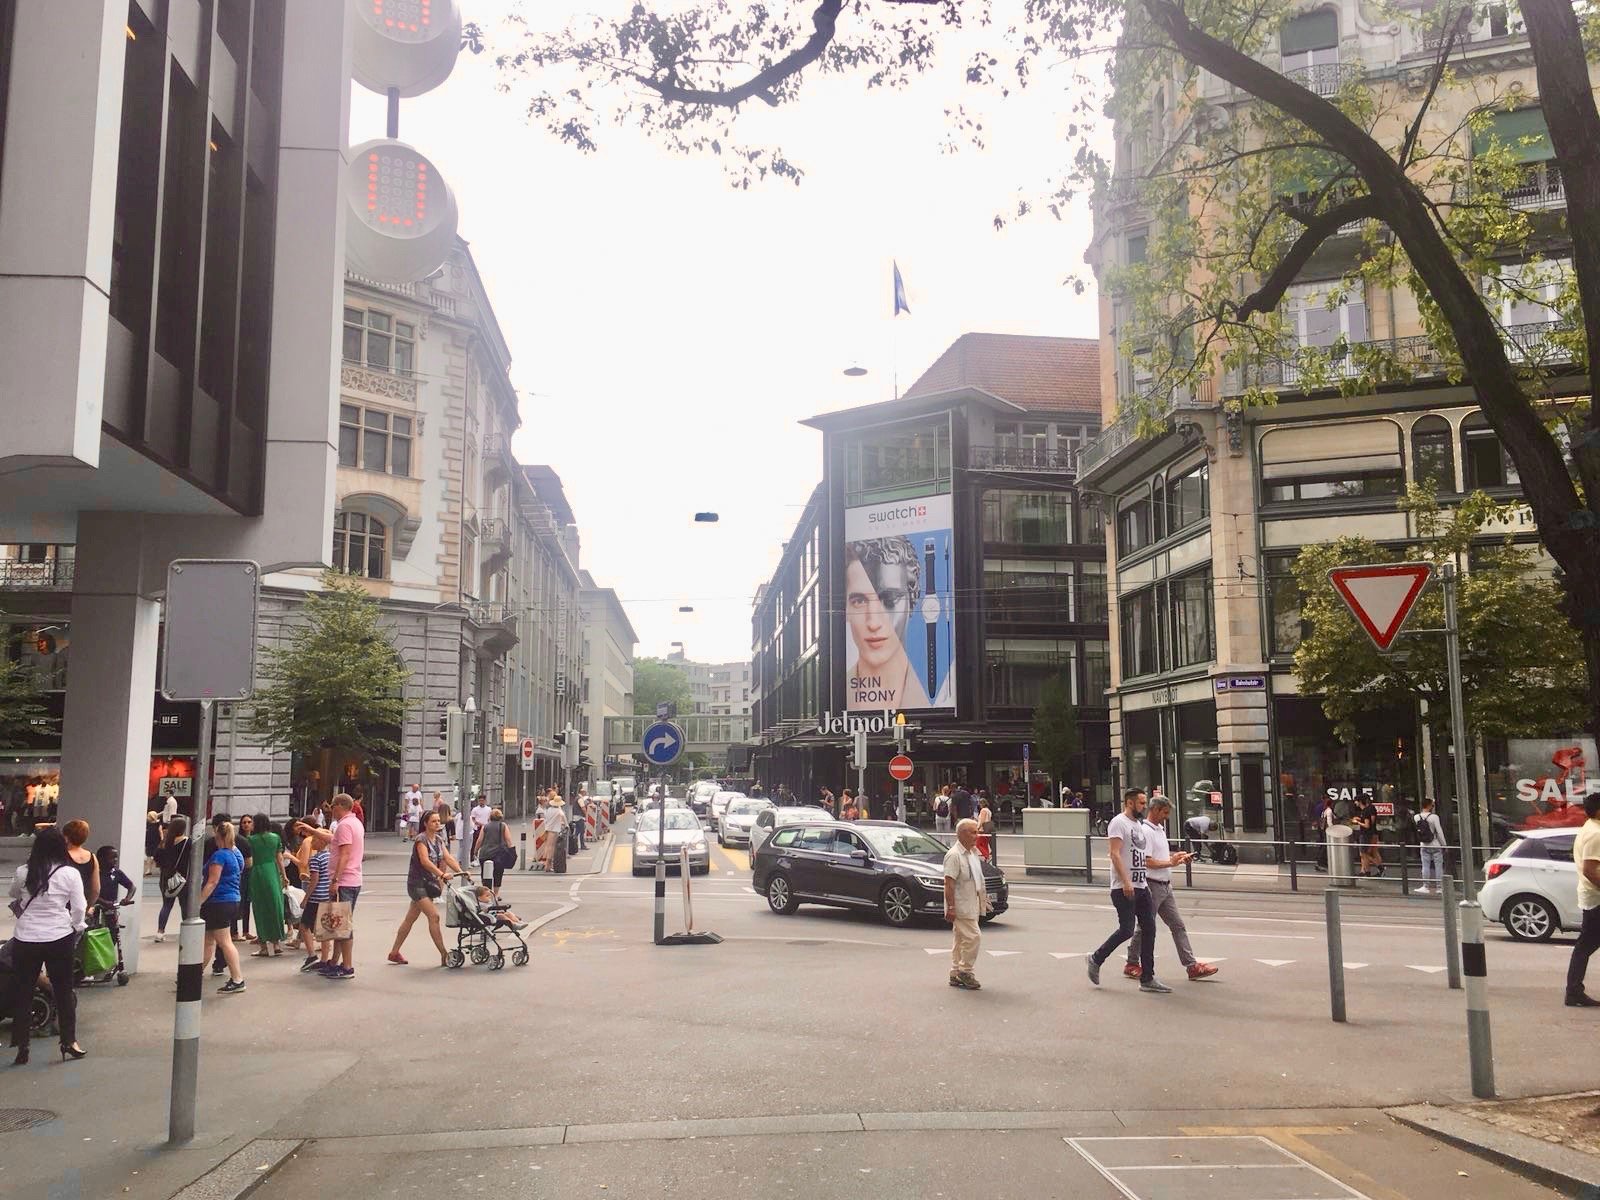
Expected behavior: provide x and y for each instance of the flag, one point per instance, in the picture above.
(900, 305)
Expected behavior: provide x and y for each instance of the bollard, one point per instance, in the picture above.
(1188, 871)
(186, 1030)
(688, 905)
(661, 895)
(1452, 938)
(523, 838)
(1088, 857)
(1405, 871)
(1474, 964)
(1294, 867)
(1335, 954)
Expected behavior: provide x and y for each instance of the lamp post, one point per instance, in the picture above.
(468, 763)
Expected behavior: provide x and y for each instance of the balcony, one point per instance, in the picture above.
(495, 627)
(494, 541)
(1539, 186)
(1023, 458)
(498, 461)
(1326, 79)
(52, 575)
(1116, 438)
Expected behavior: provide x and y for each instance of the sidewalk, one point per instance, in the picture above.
(1552, 1139)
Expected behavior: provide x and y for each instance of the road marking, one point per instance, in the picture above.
(1292, 1138)
(1270, 937)
(1070, 954)
(1275, 962)
(1236, 1152)
(1424, 970)
(621, 860)
(1001, 953)
(1349, 966)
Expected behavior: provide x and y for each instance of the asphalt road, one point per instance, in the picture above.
(818, 1054)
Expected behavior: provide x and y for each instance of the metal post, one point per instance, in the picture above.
(191, 946)
(900, 792)
(1480, 1049)
(661, 866)
(523, 838)
(1088, 857)
(394, 114)
(1452, 938)
(1335, 954)
(1405, 870)
(1458, 735)
(1294, 866)
(688, 905)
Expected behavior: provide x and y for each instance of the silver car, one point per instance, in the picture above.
(738, 818)
(720, 802)
(772, 818)
(683, 830)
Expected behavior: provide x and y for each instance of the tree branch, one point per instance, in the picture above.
(1318, 229)
(824, 22)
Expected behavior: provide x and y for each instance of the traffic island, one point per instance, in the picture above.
(1554, 1140)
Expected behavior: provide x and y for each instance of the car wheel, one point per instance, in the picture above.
(1530, 919)
(897, 904)
(780, 895)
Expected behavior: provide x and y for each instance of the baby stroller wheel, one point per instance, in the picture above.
(480, 955)
(1227, 855)
(498, 962)
(519, 957)
(42, 1016)
(122, 979)
(455, 958)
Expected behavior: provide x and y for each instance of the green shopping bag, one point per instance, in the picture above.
(97, 953)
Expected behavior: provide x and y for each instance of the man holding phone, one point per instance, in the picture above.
(1159, 861)
(1128, 841)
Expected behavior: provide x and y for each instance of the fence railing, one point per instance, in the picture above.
(52, 575)
(1023, 458)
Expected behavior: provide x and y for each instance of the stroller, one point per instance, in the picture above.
(44, 1002)
(1198, 841)
(477, 927)
(103, 916)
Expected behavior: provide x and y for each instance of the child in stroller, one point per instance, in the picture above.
(480, 921)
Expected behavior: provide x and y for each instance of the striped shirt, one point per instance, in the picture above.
(320, 866)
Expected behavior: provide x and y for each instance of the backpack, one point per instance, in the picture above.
(1424, 829)
(942, 808)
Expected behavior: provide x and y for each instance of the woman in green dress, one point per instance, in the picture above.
(267, 881)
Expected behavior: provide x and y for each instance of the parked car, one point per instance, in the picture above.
(720, 801)
(1531, 886)
(683, 829)
(737, 820)
(881, 865)
(769, 819)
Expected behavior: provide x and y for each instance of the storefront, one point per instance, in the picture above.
(1382, 763)
(1534, 782)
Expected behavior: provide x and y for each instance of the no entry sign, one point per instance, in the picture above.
(900, 767)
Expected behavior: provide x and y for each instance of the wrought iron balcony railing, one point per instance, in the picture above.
(1325, 79)
(1024, 458)
(53, 575)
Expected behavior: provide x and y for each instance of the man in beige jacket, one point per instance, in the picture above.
(966, 901)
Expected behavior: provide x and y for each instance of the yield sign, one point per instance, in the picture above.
(1381, 597)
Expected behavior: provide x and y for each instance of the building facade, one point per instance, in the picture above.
(1207, 516)
(945, 568)
(608, 647)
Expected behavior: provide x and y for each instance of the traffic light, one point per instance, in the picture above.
(569, 748)
(454, 727)
(583, 750)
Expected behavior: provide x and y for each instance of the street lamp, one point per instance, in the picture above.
(855, 371)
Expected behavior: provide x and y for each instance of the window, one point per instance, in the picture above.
(904, 459)
(1028, 518)
(360, 544)
(1320, 314)
(1285, 627)
(1096, 672)
(1432, 456)
(1133, 525)
(1189, 606)
(1484, 460)
(377, 340)
(1137, 614)
(1349, 460)
(1525, 296)
(374, 440)
(1158, 509)
(1189, 497)
(1309, 39)
(1019, 668)
(1091, 605)
(1138, 247)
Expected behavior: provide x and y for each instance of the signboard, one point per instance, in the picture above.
(898, 600)
(662, 744)
(1383, 808)
(561, 646)
(1242, 683)
(1382, 596)
(173, 785)
(1216, 799)
(525, 756)
(1027, 766)
(900, 767)
(401, 223)
(208, 631)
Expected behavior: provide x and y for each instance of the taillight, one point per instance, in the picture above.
(1497, 869)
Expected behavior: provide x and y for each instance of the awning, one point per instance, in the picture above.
(1353, 446)
(1522, 131)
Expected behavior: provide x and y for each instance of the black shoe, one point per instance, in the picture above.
(1576, 1000)
(22, 1058)
(73, 1052)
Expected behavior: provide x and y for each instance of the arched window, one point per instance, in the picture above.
(1484, 460)
(360, 545)
(1433, 454)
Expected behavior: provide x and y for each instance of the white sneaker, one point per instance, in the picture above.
(1421, 891)
(161, 937)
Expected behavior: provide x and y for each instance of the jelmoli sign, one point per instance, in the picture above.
(853, 722)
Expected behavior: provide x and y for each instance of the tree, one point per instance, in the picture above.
(1519, 657)
(337, 684)
(20, 707)
(657, 681)
(1056, 733)
(1226, 242)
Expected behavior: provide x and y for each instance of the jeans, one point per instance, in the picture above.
(1432, 864)
(57, 959)
(1165, 905)
(1131, 909)
(1588, 943)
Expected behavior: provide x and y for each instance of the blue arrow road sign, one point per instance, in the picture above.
(662, 744)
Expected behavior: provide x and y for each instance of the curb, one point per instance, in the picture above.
(1554, 1166)
(243, 1171)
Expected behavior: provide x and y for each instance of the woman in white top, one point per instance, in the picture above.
(47, 896)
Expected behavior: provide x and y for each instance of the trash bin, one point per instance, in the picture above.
(1339, 872)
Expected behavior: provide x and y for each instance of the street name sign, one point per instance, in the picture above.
(900, 767)
(1381, 596)
(662, 744)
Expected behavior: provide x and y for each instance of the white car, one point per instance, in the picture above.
(734, 827)
(769, 819)
(1531, 887)
(720, 802)
(682, 830)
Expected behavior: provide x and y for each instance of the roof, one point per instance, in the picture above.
(547, 485)
(909, 406)
(1039, 374)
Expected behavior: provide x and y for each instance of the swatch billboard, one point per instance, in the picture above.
(898, 604)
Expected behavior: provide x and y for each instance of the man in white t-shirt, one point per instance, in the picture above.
(479, 817)
(1128, 841)
(169, 809)
(1158, 863)
(1586, 857)
(966, 900)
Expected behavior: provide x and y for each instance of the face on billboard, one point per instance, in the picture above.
(877, 607)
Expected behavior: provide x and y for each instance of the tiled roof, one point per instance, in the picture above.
(1041, 374)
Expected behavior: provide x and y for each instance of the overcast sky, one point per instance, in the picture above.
(668, 333)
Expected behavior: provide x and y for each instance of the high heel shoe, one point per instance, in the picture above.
(22, 1057)
(73, 1052)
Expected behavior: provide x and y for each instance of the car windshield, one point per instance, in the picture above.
(602, 789)
(804, 816)
(677, 818)
(738, 807)
(891, 842)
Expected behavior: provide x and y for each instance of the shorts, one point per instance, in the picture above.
(418, 891)
(219, 914)
(308, 914)
(348, 896)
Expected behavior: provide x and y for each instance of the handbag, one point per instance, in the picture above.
(333, 922)
(295, 901)
(431, 886)
(175, 884)
(97, 953)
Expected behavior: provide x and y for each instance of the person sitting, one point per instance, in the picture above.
(499, 915)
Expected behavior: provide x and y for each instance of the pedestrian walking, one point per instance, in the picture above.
(153, 829)
(77, 833)
(242, 832)
(1430, 840)
(495, 847)
(413, 812)
(941, 810)
(1128, 843)
(966, 903)
(961, 803)
(346, 843)
(1586, 857)
(172, 866)
(1158, 863)
(555, 827)
(266, 881)
(47, 896)
(169, 810)
(429, 871)
(479, 817)
(220, 898)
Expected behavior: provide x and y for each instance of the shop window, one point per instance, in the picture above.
(1158, 509)
(374, 440)
(1432, 454)
(1485, 462)
(360, 545)
(1285, 625)
(1133, 525)
(1091, 598)
(1189, 497)
(1019, 668)
(1137, 618)
(378, 340)
(902, 459)
(1349, 460)
(1189, 607)
(1028, 518)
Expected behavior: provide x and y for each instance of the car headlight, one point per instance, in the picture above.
(932, 881)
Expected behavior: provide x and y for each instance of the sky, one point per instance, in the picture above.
(668, 332)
